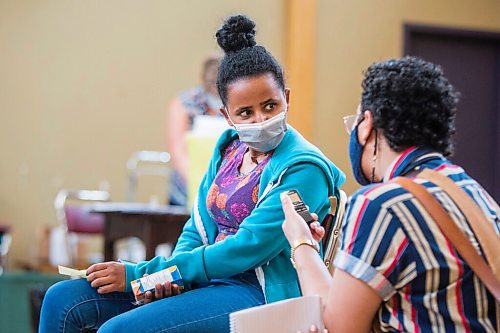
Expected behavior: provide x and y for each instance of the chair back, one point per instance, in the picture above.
(77, 217)
(145, 162)
(333, 224)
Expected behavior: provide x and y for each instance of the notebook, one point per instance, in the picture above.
(291, 315)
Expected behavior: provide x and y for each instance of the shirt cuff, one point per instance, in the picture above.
(366, 273)
(129, 275)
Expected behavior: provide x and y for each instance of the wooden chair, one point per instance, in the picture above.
(333, 224)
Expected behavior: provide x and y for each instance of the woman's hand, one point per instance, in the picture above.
(107, 277)
(162, 291)
(294, 225)
(317, 231)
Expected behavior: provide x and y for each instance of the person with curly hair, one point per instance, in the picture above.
(395, 269)
(232, 253)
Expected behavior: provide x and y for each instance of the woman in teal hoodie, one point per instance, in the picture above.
(232, 253)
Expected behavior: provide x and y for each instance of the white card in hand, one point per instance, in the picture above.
(72, 272)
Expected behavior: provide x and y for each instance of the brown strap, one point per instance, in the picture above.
(497, 306)
(484, 231)
(498, 316)
(327, 222)
(327, 225)
(454, 234)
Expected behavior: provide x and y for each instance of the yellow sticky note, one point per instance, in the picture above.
(72, 272)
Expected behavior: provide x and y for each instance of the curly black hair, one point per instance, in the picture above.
(243, 57)
(412, 102)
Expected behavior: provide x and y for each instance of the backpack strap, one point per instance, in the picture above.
(456, 236)
(483, 230)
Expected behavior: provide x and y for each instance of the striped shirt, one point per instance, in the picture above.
(390, 242)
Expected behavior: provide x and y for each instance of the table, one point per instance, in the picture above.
(153, 224)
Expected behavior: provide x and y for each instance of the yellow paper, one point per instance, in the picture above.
(201, 141)
(200, 149)
(72, 272)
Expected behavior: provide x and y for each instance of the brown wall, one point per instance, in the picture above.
(353, 34)
(83, 84)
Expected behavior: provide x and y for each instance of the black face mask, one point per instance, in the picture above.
(355, 152)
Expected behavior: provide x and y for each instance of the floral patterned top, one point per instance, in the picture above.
(233, 195)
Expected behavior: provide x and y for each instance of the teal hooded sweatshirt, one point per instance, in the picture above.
(259, 244)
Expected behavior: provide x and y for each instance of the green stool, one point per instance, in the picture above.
(15, 306)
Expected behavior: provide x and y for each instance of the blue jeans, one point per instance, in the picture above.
(73, 306)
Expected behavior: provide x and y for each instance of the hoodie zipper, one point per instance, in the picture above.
(259, 272)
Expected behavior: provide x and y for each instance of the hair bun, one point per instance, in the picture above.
(237, 32)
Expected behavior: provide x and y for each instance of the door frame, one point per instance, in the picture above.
(411, 29)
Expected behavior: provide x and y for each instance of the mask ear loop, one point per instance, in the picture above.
(374, 159)
(227, 113)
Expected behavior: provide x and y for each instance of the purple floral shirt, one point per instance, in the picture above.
(233, 195)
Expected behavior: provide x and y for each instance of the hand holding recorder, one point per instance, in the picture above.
(299, 222)
(299, 206)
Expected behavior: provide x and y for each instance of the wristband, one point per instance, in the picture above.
(300, 242)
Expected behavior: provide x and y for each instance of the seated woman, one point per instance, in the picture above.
(232, 253)
(394, 263)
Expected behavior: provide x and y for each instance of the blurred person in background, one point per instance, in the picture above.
(202, 100)
(395, 268)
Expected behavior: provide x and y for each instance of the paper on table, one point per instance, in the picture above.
(291, 315)
(72, 272)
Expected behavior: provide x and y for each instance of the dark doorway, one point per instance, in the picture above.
(471, 61)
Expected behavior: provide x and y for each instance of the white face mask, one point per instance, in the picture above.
(264, 136)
